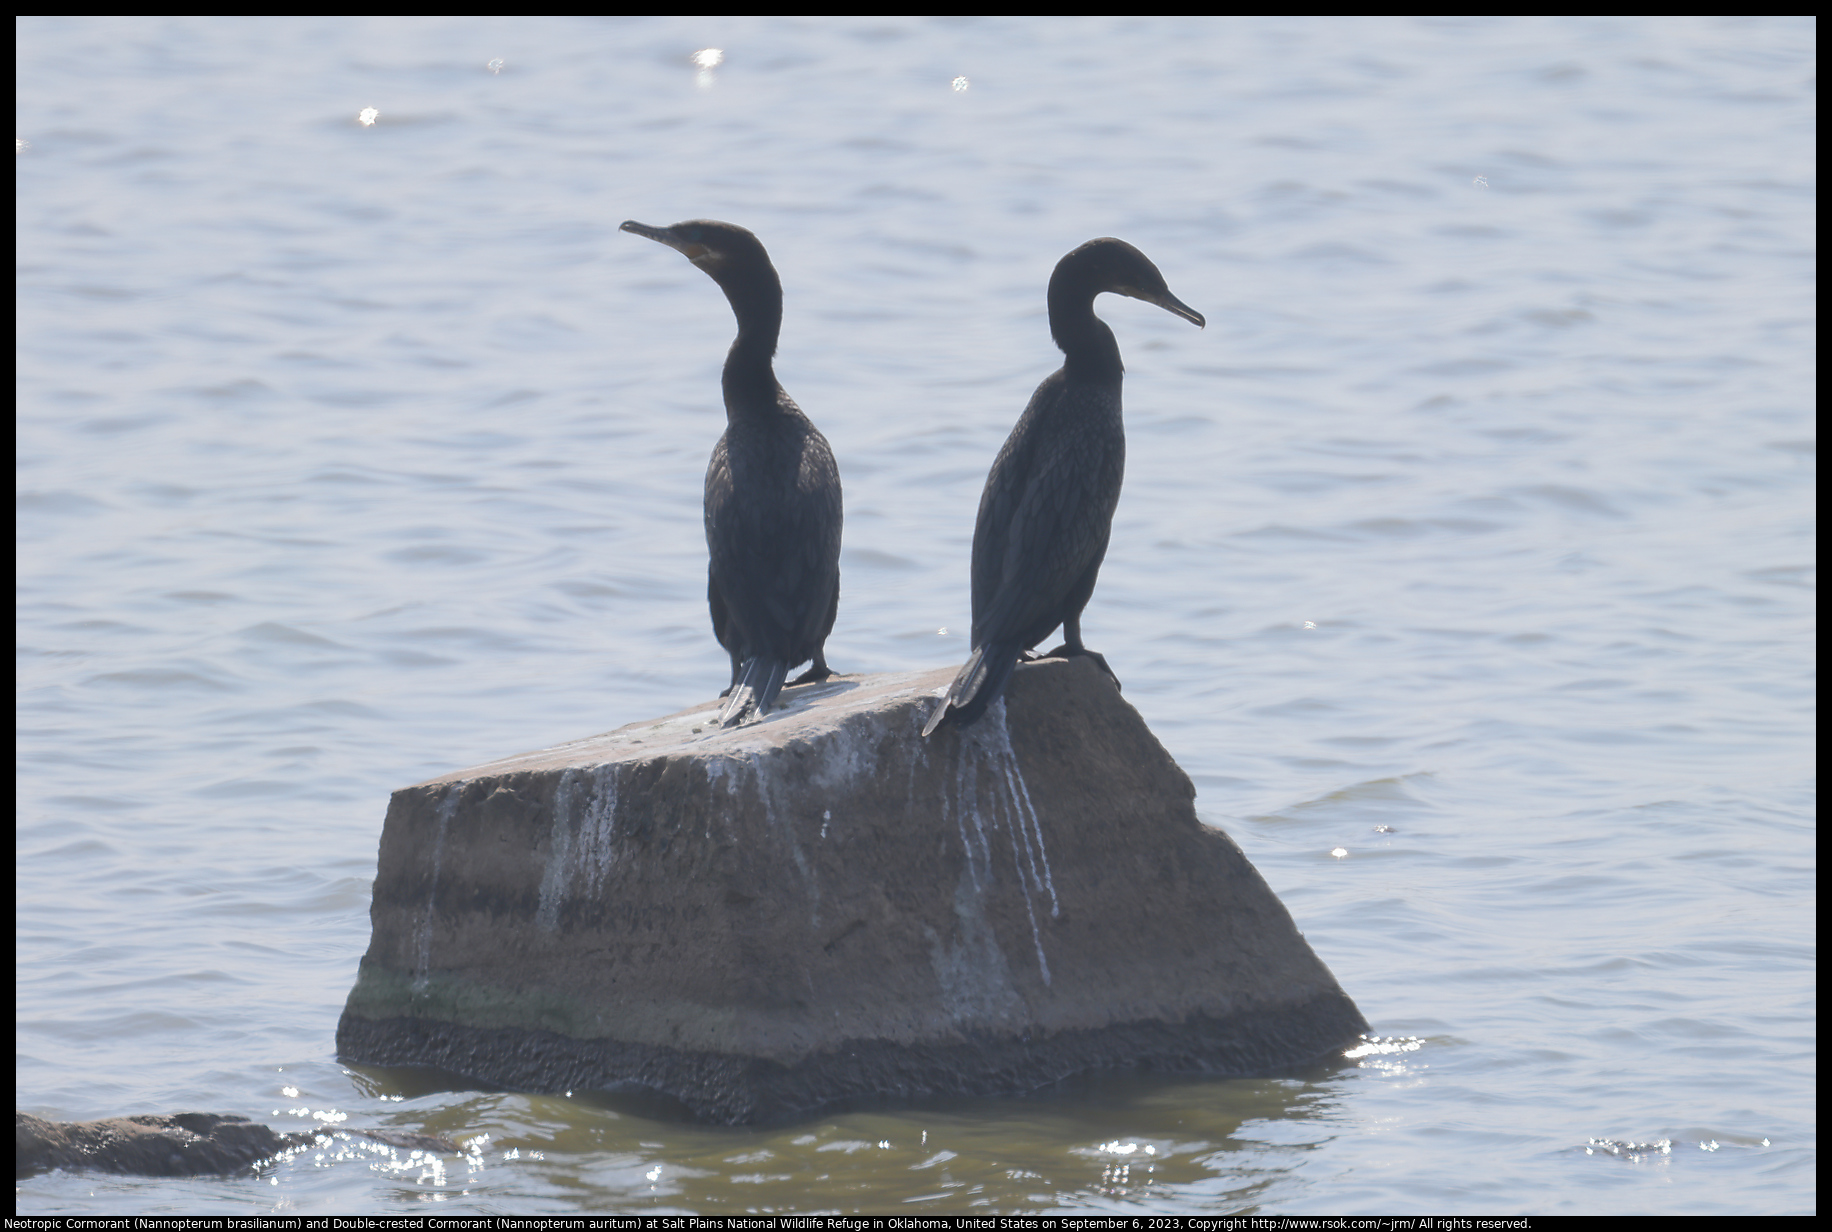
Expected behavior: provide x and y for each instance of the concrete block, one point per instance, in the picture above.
(822, 908)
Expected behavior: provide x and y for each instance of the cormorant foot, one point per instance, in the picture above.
(1066, 651)
(814, 675)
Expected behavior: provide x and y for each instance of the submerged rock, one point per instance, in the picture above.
(823, 908)
(185, 1144)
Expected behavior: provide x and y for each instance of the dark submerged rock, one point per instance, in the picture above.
(821, 909)
(184, 1144)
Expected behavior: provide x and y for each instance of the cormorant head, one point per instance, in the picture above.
(719, 248)
(1114, 265)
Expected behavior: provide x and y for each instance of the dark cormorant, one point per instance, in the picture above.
(1047, 509)
(772, 489)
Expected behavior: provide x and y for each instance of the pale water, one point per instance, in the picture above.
(1465, 560)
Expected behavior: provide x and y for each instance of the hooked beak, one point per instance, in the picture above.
(662, 235)
(1169, 303)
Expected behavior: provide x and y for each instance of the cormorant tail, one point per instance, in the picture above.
(759, 681)
(982, 678)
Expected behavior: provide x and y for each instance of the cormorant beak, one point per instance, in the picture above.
(662, 235)
(1168, 302)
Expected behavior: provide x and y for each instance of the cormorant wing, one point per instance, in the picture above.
(778, 559)
(1045, 516)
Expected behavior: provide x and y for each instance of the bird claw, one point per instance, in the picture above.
(1066, 651)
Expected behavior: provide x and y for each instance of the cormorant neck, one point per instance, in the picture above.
(750, 379)
(1093, 354)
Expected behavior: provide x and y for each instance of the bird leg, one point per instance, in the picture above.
(1071, 647)
(817, 671)
(1066, 651)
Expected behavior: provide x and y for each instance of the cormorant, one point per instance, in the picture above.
(1047, 508)
(772, 489)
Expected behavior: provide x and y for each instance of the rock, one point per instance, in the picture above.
(408, 1140)
(187, 1144)
(822, 908)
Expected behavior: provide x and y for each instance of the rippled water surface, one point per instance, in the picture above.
(1465, 559)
